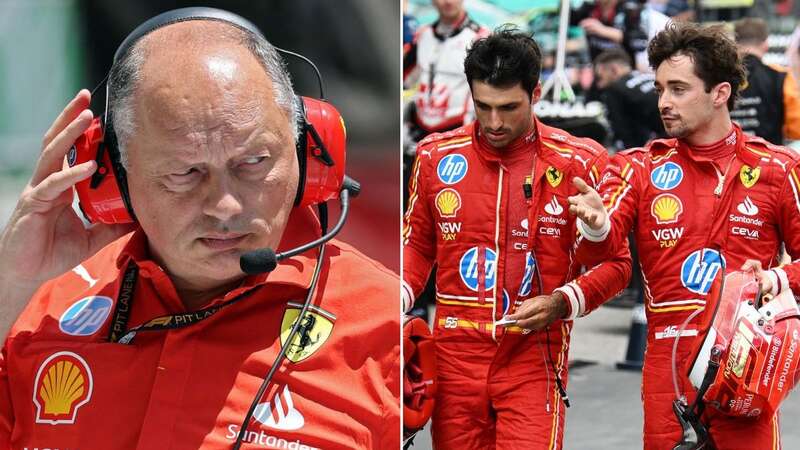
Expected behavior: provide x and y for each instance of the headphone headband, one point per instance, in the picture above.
(183, 15)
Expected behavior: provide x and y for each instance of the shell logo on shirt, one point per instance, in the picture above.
(63, 384)
(448, 202)
(554, 176)
(749, 176)
(666, 208)
(452, 168)
(316, 327)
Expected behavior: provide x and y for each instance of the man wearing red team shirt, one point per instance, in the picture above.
(206, 121)
(711, 198)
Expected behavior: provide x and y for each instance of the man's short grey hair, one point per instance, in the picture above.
(126, 74)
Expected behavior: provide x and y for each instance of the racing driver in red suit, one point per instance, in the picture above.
(709, 199)
(488, 205)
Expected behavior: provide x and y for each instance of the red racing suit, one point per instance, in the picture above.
(63, 385)
(496, 384)
(691, 218)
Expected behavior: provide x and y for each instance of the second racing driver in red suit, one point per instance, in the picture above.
(488, 205)
(711, 198)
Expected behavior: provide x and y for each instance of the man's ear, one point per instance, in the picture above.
(721, 93)
(536, 95)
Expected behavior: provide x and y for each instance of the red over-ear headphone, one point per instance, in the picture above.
(320, 145)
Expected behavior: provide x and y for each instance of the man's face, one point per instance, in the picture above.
(212, 165)
(449, 10)
(684, 104)
(605, 74)
(503, 113)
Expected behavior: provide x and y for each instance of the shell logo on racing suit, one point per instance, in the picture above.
(448, 202)
(666, 208)
(527, 278)
(667, 176)
(452, 168)
(699, 269)
(468, 268)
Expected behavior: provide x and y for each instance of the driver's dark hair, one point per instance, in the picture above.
(505, 58)
(711, 50)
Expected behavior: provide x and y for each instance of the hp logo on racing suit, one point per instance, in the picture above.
(527, 279)
(452, 168)
(696, 274)
(667, 177)
(469, 268)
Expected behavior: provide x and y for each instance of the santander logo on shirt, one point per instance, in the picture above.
(280, 413)
(747, 207)
(553, 207)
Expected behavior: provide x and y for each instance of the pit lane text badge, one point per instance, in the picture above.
(554, 176)
(749, 175)
(315, 328)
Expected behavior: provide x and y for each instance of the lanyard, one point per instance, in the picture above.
(119, 332)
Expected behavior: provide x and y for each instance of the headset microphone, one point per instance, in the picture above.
(265, 259)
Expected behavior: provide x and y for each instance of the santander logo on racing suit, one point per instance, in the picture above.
(749, 210)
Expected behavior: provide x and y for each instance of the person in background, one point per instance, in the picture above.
(769, 104)
(619, 24)
(435, 59)
(629, 97)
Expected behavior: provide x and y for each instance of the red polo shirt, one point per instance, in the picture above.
(63, 385)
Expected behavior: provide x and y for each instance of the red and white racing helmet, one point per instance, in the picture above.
(745, 361)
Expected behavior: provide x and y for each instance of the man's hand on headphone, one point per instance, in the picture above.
(44, 237)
